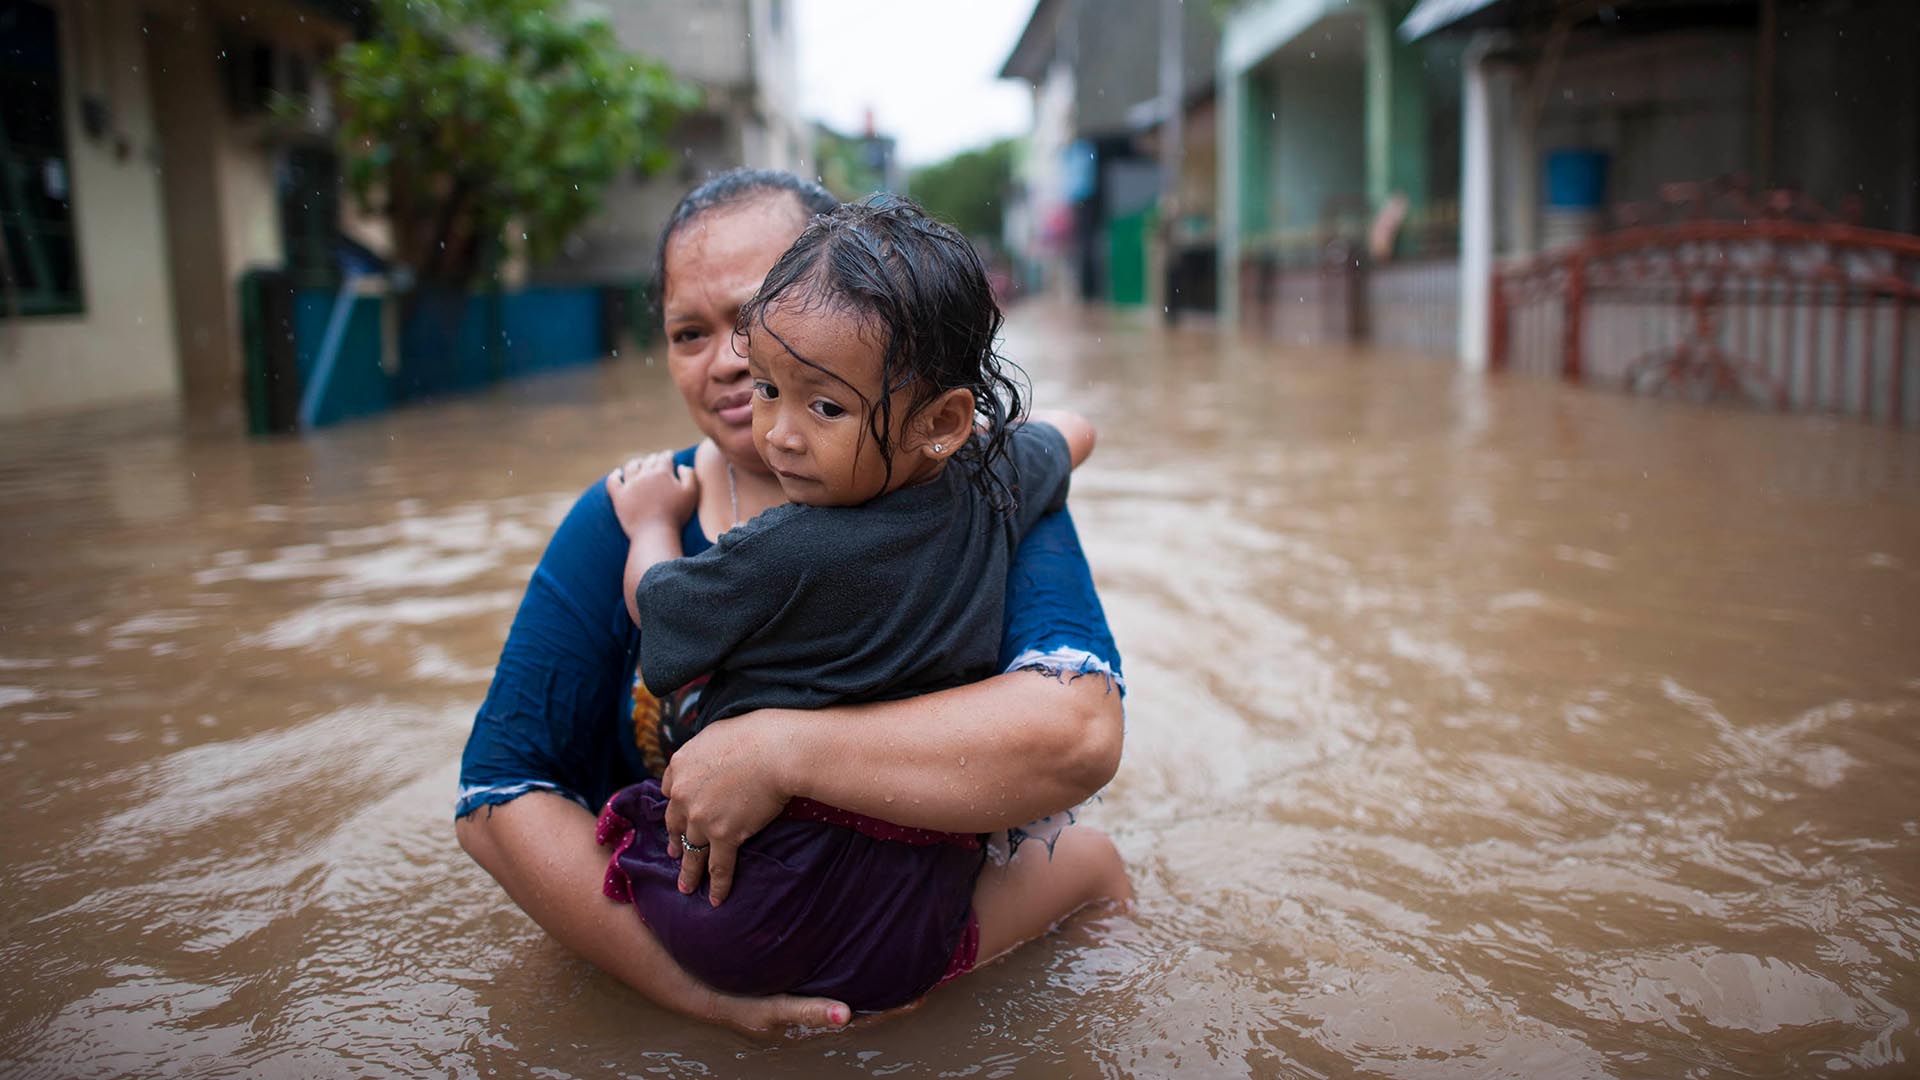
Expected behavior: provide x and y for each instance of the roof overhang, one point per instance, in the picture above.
(1433, 16)
(1034, 51)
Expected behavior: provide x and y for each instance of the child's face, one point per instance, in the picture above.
(812, 428)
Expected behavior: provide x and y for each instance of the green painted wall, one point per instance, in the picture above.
(1396, 108)
(1255, 149)
(1127, 257)
(1317, 150)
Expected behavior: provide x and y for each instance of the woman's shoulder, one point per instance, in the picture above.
(591, 518)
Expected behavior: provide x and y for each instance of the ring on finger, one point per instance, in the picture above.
(691, 846)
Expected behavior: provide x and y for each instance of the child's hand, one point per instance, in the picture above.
(651, 490)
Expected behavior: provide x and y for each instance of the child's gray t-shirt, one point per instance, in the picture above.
(808, 606)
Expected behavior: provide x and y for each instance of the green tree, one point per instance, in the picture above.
(465, 116)
(844, 168)
(968, 190)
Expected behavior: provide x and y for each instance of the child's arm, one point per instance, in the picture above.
(652, 499)
(1077, 429)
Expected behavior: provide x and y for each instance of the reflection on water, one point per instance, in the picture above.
(1478, 727)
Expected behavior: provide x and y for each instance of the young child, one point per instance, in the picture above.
(883, 410)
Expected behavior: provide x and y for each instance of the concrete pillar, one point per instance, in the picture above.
(1173, 145)
(1228, 123)
(1476, 201)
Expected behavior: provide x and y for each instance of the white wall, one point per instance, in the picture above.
(746, 62)
(703, 40)
(121, 347)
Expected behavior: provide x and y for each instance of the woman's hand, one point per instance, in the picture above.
(723, 786)
(652, 490)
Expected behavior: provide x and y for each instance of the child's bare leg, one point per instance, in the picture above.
(1026, 897)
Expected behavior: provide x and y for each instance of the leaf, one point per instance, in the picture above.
(469, 114)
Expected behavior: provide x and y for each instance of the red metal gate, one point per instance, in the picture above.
(1808, 316)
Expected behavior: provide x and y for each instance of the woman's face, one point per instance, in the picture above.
(714, 263)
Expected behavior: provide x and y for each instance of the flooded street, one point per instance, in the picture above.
(1476, 727)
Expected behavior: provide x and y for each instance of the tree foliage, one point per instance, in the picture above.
(466, 116)
(846, 168)
(969, 190)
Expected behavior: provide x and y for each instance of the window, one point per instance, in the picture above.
(309, 182)
(39, 268)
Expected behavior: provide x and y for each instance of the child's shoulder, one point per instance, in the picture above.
(799, 528)
(1040, 435)
(1036, 443)
(783, 520)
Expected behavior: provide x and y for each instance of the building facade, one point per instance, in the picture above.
(1094, 175)
(145, 170)
(743, 56)
(1716, 198)
(1338, 175)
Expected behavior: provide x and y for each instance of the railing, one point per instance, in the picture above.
(1414, 305)
(1792, 315)
(1361, 276)
(1318, 299)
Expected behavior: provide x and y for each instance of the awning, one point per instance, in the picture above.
(1430, 16)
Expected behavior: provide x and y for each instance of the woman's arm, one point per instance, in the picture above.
(1076, 429)
(975, 758)
(541, 849)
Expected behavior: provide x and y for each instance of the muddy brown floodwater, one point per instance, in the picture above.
(1477, 727)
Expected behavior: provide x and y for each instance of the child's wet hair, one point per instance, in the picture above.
(921, 289)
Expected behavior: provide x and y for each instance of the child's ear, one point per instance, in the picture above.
(946, 424)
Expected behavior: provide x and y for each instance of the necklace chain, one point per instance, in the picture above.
(733, 494)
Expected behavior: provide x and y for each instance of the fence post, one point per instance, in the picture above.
(1359, 313)
(1576, 303)
(1897, 385)
(1496, 315)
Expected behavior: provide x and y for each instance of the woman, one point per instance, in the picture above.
(556, 735)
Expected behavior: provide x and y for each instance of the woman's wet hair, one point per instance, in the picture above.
(922, 291)
(732, 188)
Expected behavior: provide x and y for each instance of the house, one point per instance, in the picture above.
(144, 165)
(1338, 175)
(743, 56)
(1095, 171)
(1710, 197)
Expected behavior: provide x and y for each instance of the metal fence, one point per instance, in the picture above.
(1414, 306)
(1790, 315)
(1338, 297)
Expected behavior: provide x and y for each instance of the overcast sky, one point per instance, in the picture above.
(925, 67)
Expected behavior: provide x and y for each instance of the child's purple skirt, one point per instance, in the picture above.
(824, 903)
